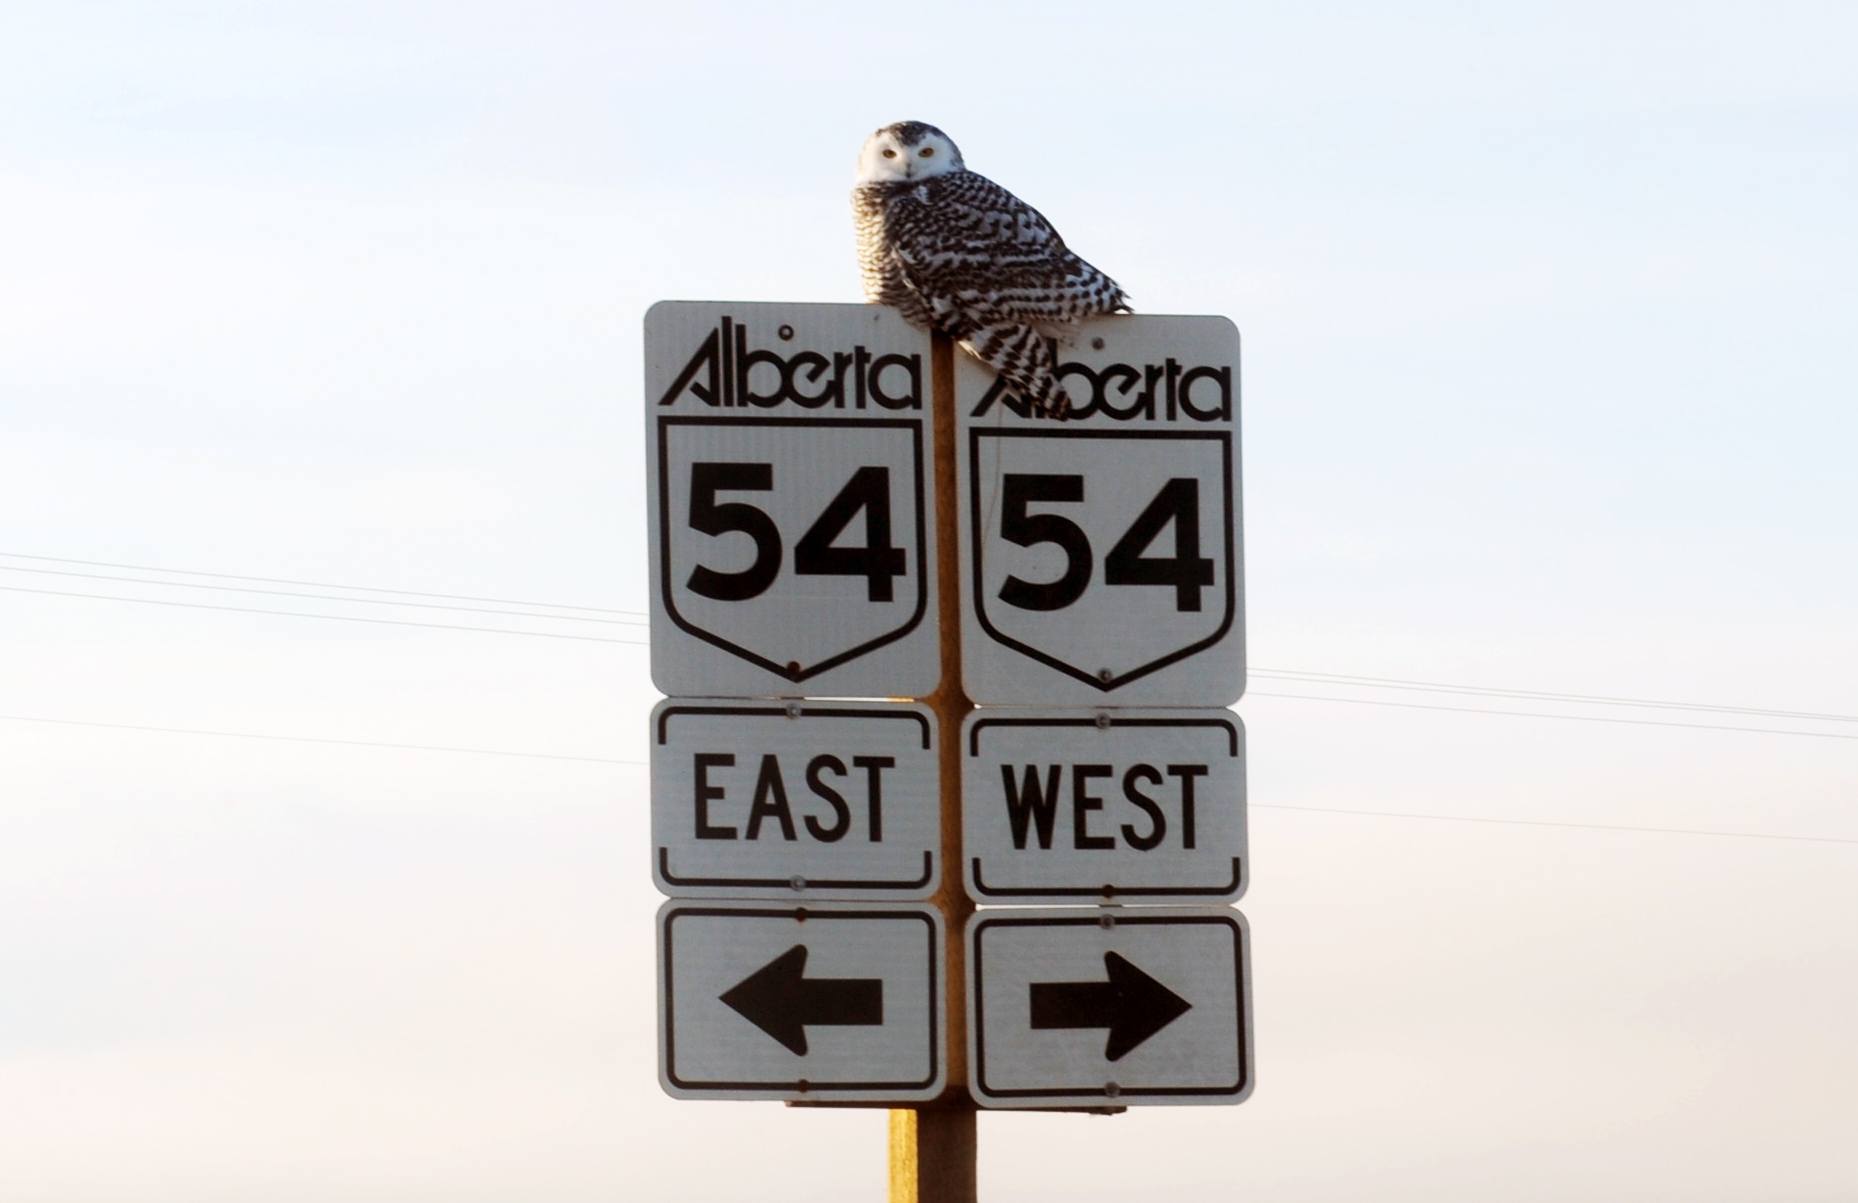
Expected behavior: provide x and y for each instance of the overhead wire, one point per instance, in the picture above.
(390, 622)
(278, 580)
(1579, 718)
(312, 739)
(331, 597)
(632, 618)
(1402, 683)
(480, 751)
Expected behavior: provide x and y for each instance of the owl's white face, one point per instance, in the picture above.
(908, 150)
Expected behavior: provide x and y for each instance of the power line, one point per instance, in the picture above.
(149, 601)
(1376, 814)
(1290, 674)
(1738, 835)
(331, 597)
(276, 580)
(1576, 718)
(390, 622)
(310, 739)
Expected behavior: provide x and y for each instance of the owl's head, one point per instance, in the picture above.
(908, 150)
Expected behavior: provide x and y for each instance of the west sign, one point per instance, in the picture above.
(1103, 806)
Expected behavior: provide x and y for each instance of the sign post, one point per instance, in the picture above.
(933, 1150)
(845, 514)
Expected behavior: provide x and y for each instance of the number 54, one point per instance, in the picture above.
(1178, 502)
(868, 491)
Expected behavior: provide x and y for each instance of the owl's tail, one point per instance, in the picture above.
(1023, 358)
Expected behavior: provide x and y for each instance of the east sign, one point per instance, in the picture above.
(796, 800)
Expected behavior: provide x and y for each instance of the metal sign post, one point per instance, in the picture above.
(933, 1149)
(844, 514)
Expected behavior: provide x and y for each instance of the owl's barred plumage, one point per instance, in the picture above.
(957, 253)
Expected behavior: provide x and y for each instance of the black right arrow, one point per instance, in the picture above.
(781, 1000)
(1132, 1005)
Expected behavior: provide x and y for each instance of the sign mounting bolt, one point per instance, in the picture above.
(1103, 720)
(793, 710)
(797, 882)
(1105, 675)
(786, 333)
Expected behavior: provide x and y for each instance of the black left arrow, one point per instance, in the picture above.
(782, 1001)
(1132, 1005)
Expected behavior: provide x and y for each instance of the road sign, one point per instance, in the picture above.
(1103, 805)
(1074, 1007)
(795, 800)
(1101, 553)
(831, 1001)
(792, 541)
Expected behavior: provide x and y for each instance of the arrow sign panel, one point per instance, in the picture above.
(1072, 1007)
(831, 1001)
(795, 800)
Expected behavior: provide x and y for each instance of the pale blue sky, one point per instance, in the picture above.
(1548, 316)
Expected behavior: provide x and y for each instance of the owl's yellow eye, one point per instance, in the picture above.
(889, 153)
(926, 151)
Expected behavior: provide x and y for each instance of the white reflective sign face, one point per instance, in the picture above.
(1103, 805)
(795, 800)
(832, 1001)
(1101, 552)
(788, 464)
(1063, 1011)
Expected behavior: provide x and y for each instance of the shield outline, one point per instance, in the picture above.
(915, 428)
(977, 543)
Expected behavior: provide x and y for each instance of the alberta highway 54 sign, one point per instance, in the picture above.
(1101, 553)
(788, 473)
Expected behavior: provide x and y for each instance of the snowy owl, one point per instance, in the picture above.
(957, 253)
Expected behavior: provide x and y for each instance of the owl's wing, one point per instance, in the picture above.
(977, 254)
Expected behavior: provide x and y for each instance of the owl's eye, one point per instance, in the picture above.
(889, 153)
(926, 151)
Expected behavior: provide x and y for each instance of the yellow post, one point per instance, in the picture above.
(932, 1148)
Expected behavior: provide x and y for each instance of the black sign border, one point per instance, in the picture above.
(981, 892)
(914, 425)
(783, 883)
(799, 1086)
(1084, 918)
(977, 541)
